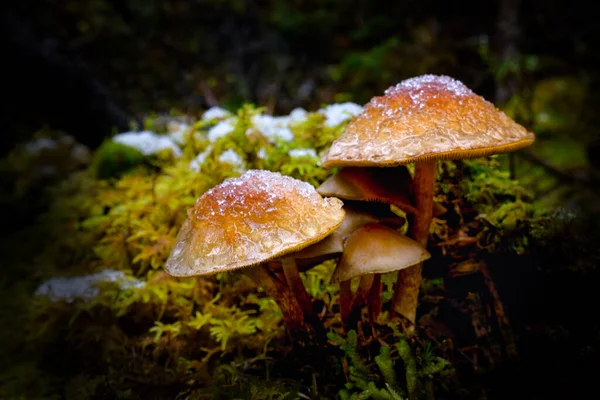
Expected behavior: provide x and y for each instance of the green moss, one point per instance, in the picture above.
(220, 335)
(114, 159)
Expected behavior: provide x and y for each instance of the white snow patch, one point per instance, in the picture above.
(335, 114)
(215, 113)
(148, 142)
(84, 287)
(298, 153)
(221, 129)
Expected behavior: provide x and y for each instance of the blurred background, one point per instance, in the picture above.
(90, 67)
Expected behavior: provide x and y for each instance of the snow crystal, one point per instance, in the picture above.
(35, 147)
(221, 129)
(196, 163)
(273, 128)
(424, 82)
(335, 114)
(84, 287)
(259, 181)
(178, 131)
(231, 157)
(215, 113)
(298, 114)
(147, 142)
(262, 153)
(297, 153)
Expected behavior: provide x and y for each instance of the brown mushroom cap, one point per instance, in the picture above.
(371, 184)
(375, 248)
(357, 216)
(251, 219)
(429, 117)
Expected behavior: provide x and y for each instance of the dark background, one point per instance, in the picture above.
(88, 67)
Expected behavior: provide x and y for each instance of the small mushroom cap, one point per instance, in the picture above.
(383, 185)
(332, 245)
(251, 219)
(428, 117)
(375, 248)
(357, 216)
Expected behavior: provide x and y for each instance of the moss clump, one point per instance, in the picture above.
(112, 160)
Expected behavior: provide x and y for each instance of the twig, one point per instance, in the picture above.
(503, 323)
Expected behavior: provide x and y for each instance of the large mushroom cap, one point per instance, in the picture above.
(374, 248)
(248, 220)
(424, 118)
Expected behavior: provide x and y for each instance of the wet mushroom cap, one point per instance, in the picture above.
(428, 117)
(374, 248)
(251, 219)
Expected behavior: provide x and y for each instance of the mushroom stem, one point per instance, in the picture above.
(361, 297)
(293, 317)
(406, 292)
(345, 300)
(362, 292)
(375, 298)
(292, 276)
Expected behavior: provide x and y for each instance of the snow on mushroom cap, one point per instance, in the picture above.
(426, 117)
(250, 219)
(419, 83)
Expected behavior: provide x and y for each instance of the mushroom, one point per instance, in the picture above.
(359, 213)
(371, 250)
(330, 247)
(372, 185)
(244, 222)
(422, 120)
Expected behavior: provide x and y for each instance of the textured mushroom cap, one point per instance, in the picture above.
(251, 219)
(383, 185)
(375, 248)
(428, 117)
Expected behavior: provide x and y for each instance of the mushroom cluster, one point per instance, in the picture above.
(271, 226)
(421, 120)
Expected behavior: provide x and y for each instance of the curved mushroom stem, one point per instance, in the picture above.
(345, 300)
(293, 317)
(406, 292)
(292, 276)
